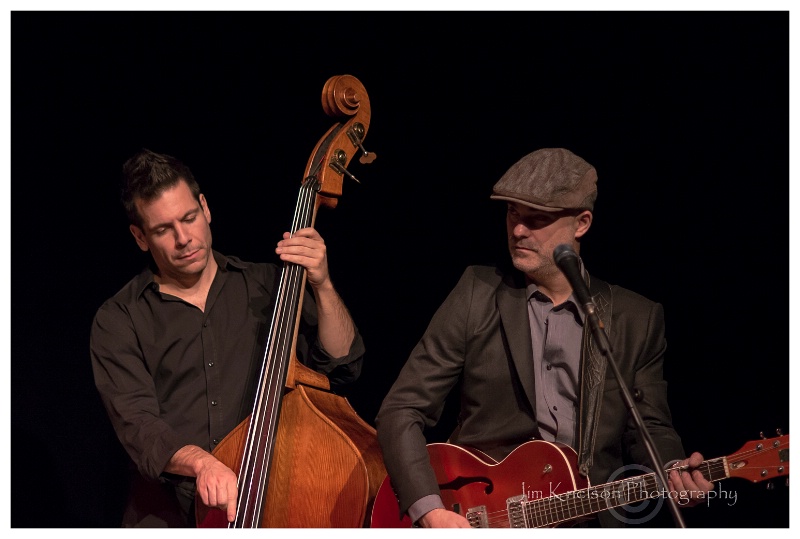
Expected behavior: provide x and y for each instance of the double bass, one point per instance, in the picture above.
(304, 457)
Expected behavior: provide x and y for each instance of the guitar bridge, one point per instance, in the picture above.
(516, 511)
(476, 516)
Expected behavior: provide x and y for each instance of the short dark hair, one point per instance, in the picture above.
(148, 174)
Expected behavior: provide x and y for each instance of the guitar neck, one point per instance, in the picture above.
(558, 508)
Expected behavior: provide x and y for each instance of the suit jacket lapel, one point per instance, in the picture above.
(512, 303)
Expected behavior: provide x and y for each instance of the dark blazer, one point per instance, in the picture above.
(480, 338)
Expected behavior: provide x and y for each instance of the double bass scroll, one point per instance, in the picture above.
(304, 458)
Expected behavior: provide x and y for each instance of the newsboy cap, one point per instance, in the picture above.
(550, 179)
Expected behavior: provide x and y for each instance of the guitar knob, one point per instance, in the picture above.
(770, 485)
(779, 432)
(761, 435)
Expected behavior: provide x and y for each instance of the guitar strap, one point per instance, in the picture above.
(593, 371)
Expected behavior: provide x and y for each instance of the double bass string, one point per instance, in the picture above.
(251, 448)
(264, 419)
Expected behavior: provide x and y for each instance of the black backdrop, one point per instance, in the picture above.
(685, 116)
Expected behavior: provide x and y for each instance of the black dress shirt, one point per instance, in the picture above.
(172, 375)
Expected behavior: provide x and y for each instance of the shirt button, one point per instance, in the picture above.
(549, 367)
(213, 403)
(555, 408)
(210, 363)
(215, 441)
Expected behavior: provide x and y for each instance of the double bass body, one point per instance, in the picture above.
(305, 458)
(326, 467)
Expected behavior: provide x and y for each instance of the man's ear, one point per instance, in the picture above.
(583, 221)
(204, 205)
(140, 238)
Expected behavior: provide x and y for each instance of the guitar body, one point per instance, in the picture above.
(537, 484)
(477, 487)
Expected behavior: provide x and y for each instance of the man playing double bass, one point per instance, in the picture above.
(177, 351)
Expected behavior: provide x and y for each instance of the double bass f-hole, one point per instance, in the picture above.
(304, 458)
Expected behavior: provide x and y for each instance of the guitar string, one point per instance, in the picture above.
(712, 466)
(571, 505)
(538, 508)
(547, 511)
(541, 512)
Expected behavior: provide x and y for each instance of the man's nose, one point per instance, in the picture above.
(520, 230)
(182, 235)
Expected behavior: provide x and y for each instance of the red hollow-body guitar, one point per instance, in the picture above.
(537, 485)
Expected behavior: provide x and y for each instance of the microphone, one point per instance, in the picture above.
(568, 262)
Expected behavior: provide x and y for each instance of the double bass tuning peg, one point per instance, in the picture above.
(339, 158)
(356, 135)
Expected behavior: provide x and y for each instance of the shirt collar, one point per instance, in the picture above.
(146, 279)
(572, 301)
(226, 263)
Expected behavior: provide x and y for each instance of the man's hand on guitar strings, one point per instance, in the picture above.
(687, 484)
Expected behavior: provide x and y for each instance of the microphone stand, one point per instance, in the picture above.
(601, 339)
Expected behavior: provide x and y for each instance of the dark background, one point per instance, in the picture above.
(685, 116)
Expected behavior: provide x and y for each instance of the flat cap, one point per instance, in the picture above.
(549, 179)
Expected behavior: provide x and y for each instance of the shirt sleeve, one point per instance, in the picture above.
(339, 370)
(127, 391)
(424, 505)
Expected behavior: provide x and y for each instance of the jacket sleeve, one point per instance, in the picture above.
(651, 397)
(417, 398)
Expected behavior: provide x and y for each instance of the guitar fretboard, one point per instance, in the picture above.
(558, 508)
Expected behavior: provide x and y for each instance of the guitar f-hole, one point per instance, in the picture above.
(464, 481)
